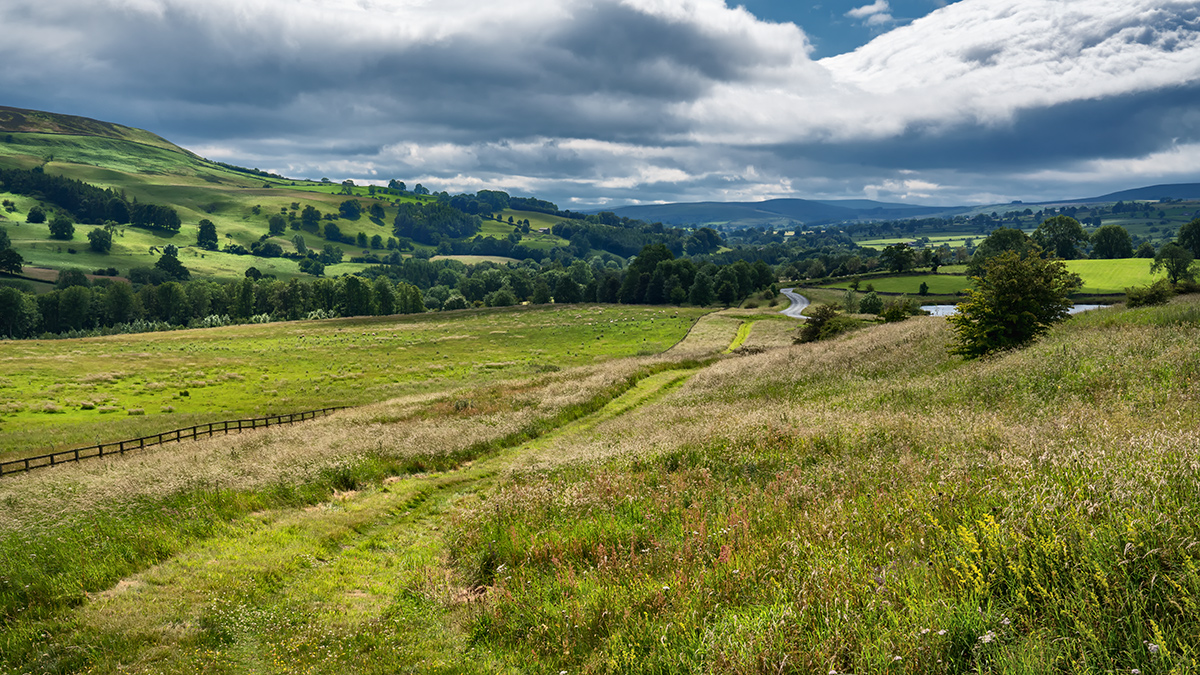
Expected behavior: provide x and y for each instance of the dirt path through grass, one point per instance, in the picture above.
(360, 583)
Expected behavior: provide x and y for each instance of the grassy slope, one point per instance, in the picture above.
(869, 505)
(150, 169)
(864, 505)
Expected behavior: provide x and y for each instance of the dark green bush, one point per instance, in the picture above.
(1157, 293)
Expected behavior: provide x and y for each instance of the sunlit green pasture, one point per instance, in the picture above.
(1113, 276)
(939, 284)
(935, 241)
(1099, 277)
(60, 393)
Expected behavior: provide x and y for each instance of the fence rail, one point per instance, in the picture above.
(177, 435)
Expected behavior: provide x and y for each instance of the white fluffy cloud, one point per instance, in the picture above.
(629, 100)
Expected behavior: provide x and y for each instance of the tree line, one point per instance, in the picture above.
(169, 298)
(87, 203)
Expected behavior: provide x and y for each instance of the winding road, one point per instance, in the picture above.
(799, 302)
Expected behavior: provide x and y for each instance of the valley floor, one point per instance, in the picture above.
(868, 504)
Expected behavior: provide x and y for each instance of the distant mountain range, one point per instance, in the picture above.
(790, 212)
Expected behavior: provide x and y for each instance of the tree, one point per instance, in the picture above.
(18, 313)
(120, 304)
(898, 257)
(11, 261)
(100, 240)
(72, 277)
(310, 218)
(1189, 237)
(1059, 236)
(1001, 239)
(206, 235)
(276, 225)
(355, 297)
(36, 215)
(1112, 241)
(701, 293)
(333, 232)
(350, 209)
(298, 242)
(74, 308)
(567, 291)
(170, 265)
(313, 267)
(1176, 261)
(1144, 250)
(62, 228)
(1016, 300)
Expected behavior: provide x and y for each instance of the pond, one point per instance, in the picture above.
(947, 310)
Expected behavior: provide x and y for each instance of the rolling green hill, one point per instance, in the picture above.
(150, 169)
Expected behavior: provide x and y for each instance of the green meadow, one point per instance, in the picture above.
(1100, 277)
(180, 378)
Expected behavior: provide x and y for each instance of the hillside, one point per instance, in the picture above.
(149, 169)
(19, 120)
(867, 504)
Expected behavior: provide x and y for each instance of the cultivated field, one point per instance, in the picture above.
(865, 505)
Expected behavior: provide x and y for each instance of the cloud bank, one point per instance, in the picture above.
(613, 101)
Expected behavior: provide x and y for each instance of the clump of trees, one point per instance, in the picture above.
(84, 202)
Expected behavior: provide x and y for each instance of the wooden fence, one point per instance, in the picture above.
(177, 435)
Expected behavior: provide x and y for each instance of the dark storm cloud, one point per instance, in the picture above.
(635, 100)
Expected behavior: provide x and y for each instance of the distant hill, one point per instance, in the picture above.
(1153, 192)
(777, 212)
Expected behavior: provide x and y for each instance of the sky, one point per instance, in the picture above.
(599, 103)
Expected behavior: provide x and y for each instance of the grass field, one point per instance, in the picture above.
(935, 241)
(1113, 276)
(180, 378)
(939, 284)
(869, 504)
(1099, 277)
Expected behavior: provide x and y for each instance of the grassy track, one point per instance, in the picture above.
(357, 582)
(63, 393)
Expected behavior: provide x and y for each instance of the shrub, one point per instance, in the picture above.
(899, 309)
(870, 303)
(823, 323)
(1157, 293)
